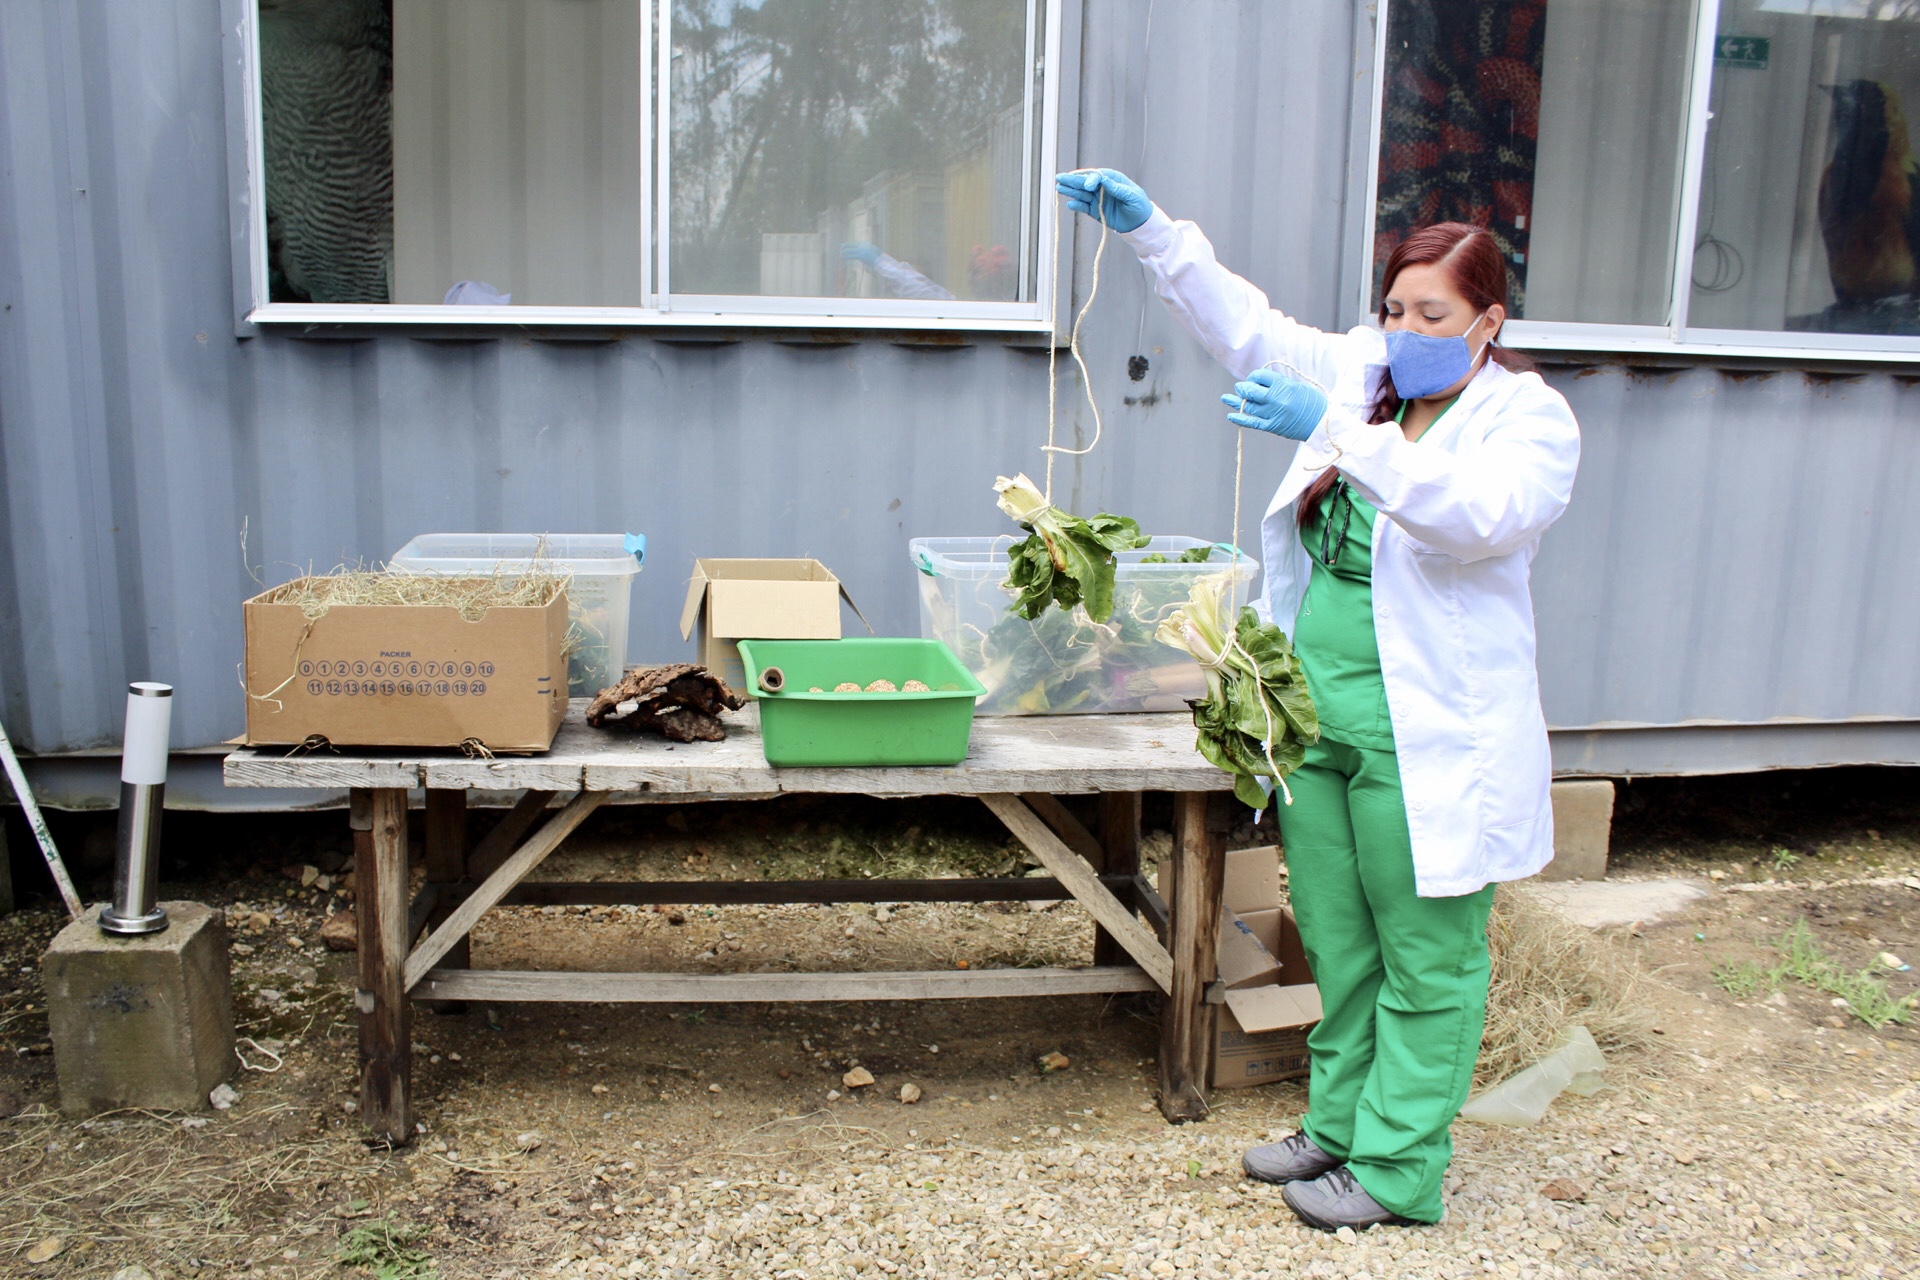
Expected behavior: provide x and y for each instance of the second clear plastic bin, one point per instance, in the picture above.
(1061, 663)
(602, 565)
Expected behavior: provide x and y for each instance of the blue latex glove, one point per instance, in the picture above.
(1271, 401)
(860, 251)
(1106, 194)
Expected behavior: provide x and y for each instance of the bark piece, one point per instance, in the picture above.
(680, 701)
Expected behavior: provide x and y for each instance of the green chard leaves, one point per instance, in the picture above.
(1257, 719)
(1065, 560)
(1192, 555)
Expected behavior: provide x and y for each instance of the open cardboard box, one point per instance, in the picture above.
(734, 600)
(1260, 1034)
(406, 675)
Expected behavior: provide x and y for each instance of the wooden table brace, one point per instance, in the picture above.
(1083, 883)
(495, 887)
(724, 988)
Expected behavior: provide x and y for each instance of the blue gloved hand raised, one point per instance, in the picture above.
(1271, 401)
(1106, 194)
(863, 251)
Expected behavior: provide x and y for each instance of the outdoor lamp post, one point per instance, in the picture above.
(143, 787)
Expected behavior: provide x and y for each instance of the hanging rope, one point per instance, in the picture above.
(1239, 453)
(1073, 346)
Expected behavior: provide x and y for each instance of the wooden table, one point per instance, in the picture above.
(417, 949)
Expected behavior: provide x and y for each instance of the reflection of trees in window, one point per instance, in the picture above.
(1459, 124)
(786, 111)
(326, 81)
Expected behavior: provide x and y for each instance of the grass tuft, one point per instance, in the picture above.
(1803, 960)
(389, 1248)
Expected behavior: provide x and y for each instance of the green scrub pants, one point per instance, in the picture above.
(1403, 979)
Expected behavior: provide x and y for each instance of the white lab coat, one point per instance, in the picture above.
(1465, 508)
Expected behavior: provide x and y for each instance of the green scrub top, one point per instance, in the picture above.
(1334, 633)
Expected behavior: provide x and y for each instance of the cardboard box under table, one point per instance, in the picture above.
(734, 600)
(1260, 1034)
(1268, 1001)
(405, 675)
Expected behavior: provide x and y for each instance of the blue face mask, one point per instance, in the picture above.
(1423, 365)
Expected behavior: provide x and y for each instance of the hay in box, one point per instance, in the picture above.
(367, 659)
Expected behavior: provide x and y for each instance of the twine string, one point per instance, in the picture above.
(1073, 345)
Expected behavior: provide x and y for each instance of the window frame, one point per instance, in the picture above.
(1675, 336)
(255, 312)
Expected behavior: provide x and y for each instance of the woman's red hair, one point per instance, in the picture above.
(1478, 273)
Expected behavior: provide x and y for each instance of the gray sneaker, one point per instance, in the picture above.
(1289, 1160)
(1336, 1200)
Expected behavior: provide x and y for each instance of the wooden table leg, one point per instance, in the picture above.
(1200, 824)
(1120, 841)
(447, 865)
(386, 1021)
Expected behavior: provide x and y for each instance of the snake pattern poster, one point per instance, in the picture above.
(1460, 123)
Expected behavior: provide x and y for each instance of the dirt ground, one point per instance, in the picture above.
(1768, 1131)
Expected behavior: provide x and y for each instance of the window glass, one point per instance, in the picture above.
(326, 77)
(863, 148)
(1808, 220)
(421, 151)
(1557, 126)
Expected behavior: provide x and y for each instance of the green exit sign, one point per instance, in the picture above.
(1742, 51)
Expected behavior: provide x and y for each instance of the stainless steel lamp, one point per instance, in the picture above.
(143, 789)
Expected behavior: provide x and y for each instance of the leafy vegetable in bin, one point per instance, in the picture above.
(1063, 661)
(1192, 555)
(1257, 719)
(1066, 560)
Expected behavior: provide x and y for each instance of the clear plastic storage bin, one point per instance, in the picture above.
(1066, 663)
(603, 566)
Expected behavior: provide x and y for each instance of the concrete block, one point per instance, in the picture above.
(1582, 830)
(141, 1021)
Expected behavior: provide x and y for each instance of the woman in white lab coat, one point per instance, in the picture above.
(1398, 550)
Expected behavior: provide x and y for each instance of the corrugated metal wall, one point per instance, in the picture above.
(1741, 548)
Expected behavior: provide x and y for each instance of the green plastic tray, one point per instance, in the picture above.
(801, 728)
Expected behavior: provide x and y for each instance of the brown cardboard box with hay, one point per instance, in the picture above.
(396, 660)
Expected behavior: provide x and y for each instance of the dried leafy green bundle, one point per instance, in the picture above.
(1067, 560)
(1257, 719)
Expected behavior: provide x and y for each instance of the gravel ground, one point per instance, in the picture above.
(1770, 1136)
(1713, 1175)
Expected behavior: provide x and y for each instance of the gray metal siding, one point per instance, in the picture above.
(1740, 548)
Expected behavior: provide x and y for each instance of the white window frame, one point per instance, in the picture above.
(1676, 336)
(661, 308)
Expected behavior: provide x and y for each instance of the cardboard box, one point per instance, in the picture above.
(1243, 959)
(1252, 879)
(1243, 1059)
(735, 600)
(1267, 930)
(1260, 1034)
(406, 675)
(1249, 883)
